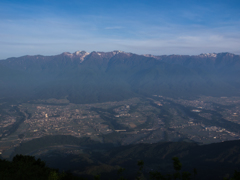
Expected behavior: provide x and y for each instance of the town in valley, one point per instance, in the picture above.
(154, 119)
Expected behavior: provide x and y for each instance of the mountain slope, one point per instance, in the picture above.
(213, 161)
(98, 76)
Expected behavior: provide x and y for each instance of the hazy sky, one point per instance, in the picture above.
(50, 27)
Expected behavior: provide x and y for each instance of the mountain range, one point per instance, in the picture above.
(93, 77)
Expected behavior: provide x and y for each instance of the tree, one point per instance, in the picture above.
(139, 173)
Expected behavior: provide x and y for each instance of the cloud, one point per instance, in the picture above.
(114, 27)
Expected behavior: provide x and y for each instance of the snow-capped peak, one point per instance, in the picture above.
(208, 55)
(80, 54)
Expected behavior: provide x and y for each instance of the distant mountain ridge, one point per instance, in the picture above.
(110, 76)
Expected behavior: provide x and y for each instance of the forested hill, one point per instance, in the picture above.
(212, 161)
(98, 76)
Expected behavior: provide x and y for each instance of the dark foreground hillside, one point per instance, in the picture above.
(29, 168)
(86, 158)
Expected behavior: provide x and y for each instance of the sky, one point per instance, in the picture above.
(158, 27)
